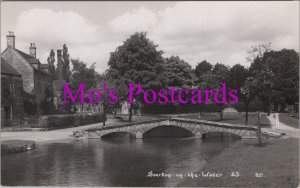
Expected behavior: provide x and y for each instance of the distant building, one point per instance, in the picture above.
(11, 91)
(35, 75)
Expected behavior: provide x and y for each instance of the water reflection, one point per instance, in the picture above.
(117, 161)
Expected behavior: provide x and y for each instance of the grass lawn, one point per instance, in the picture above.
(288, 120)
(278, 161)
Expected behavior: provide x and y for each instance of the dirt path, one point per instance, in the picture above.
(58, 134)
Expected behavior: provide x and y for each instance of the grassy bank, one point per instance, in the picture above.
(277, 161)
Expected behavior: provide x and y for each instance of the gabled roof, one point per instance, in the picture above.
(8, 69)
(31, 60)
(45, 66)
(25, 56)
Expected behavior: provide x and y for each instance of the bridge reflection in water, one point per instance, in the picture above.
(195, 128)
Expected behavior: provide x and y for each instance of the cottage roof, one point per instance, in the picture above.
(31, 60)
(8, 69)
(45, 66)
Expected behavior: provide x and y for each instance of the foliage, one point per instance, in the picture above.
(284, 66)
(81, 73)
(237, 76)
(137, 61)
(202, 68)
(257, 51)
(30, 105)
(66, 64)
(178, 73)
(51, 61)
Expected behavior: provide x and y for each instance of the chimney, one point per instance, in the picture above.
(32, 50)
(59, 65)
(10, 38)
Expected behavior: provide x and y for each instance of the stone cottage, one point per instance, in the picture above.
(11, 91)
(35, 75)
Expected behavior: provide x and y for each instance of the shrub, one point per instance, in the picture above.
(70, 120)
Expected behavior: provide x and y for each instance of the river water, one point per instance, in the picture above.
(116, 161)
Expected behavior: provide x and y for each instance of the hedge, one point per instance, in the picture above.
(193, 108)
(69, 120)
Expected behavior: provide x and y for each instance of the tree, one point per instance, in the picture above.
(247, 93)
(214, 79)
(263, 87)
(51, 61)
(66, 64)
(202, 68)
(237, 76)
(222, 71)
(239, 79)
(82, 74)
(137, 61)
(257, 51)
(284, 64)
(178, 73)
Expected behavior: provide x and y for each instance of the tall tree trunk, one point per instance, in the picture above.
(115, 112)
(259, 130)
(221, 113)
(247, 110)
(275, 107)
(11, 112)
(282, 106)
(259, 127)
(104, 114)
(130, 113)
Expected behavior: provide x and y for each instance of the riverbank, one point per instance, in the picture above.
(277, 163)
(58, 134)
(16, 146)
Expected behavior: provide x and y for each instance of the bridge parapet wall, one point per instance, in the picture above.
(197, 127)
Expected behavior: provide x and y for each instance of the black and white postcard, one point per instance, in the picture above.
(150, 93)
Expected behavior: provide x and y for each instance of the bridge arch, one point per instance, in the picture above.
(117, 134)
(167, 131)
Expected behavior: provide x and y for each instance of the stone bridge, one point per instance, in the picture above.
(197, 127)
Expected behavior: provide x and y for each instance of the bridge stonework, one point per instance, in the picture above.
(197, 127)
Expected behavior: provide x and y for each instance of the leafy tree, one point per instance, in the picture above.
(178, 73)
(221, 71)
(137, 61)
(83, 74)
(263, 87)
(66, 64)
(212, 81)
(257, 51)
(202, 68)
(247, 93)
(237, 76)
(284, 64)
(51, 61)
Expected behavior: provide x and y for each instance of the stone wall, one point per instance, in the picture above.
(23, 67)
(41, 82)
(16, 86)
(69, 120)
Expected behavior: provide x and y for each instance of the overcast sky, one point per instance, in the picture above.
(215, 31)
